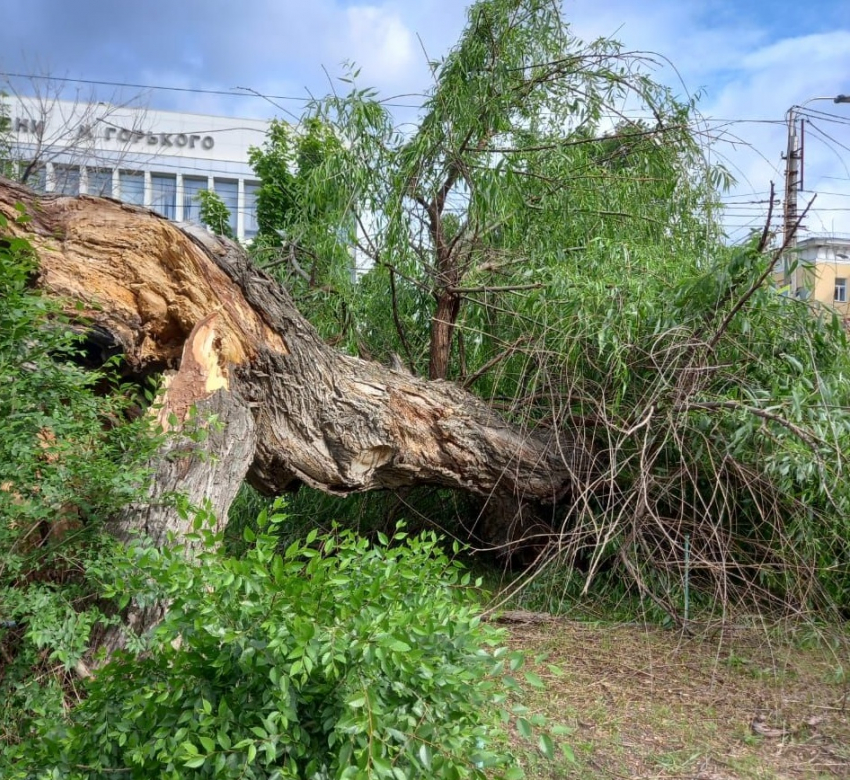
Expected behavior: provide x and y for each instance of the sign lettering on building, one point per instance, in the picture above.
(123, 135)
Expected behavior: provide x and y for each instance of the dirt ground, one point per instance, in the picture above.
(641, 702)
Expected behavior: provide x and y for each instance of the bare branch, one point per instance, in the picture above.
(496, 288)
(809, 440)
(473, 377)
(398, 326)
(760, 281)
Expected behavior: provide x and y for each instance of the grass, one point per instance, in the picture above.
(642, 702)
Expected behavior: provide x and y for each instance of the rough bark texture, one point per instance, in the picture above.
(293, 410)
(442, 331)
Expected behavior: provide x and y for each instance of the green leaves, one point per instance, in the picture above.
(69, 457)
(214, 213)
(547, 747)
(353, 660)
(307, 219)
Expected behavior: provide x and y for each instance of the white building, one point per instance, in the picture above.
(158, 159)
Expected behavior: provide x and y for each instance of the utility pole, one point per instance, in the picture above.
(793, 175)
(792, 182)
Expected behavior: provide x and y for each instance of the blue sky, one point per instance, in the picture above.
(749, 59)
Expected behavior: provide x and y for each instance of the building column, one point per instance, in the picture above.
(178, 206)
(240, 209)
(148, 190)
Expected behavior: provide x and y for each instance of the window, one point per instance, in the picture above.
(66, 180)
(250, 222)
(132, 185)
(840, 291)
(99, 182)
(164, 194)
(228, 191)
(191, 204)
(36, 176)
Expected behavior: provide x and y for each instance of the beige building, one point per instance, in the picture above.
(822, 272)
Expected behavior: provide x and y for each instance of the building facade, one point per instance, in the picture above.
(157, 159)
(823, 272)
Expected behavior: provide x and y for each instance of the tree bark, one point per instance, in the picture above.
(291, 410)
(442, 332)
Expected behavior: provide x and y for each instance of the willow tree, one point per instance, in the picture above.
(524, 149)
(545, 234)
(637, 387)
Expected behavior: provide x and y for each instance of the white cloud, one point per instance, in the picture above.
(828, 48)
(766, 83)
(380, 43)
(744, 61)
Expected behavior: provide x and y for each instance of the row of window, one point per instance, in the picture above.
(162, 196)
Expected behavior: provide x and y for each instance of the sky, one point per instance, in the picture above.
(748, 60)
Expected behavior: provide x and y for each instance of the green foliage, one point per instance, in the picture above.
(586, 291)
(68, 459)
(720, 411)
(306, 226)
(511, 170)
(7, 164)
(334, 659)
(274, 163)
(214, 213)
(365, 513)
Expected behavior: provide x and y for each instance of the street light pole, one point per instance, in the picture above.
(793, 174)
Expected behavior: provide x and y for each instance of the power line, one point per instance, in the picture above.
(825, 192)
(826, 116)
(828, 136)
(232, 92)
(193, 90)
(246, 92)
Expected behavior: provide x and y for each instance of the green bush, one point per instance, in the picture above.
(69, 458)
(335, 659)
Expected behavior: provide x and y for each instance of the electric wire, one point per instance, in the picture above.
(244, 92)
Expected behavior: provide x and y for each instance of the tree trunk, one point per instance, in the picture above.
(442, 331)
(291, 409)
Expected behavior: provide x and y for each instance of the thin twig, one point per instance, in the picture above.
(492, 362)
(398, 327)
(806, 438)
(760, 281)
(765, 234)
(486, 289)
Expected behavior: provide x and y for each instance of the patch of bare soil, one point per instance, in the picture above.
(646, 703)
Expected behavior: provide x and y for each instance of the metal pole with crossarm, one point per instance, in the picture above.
(793, 176)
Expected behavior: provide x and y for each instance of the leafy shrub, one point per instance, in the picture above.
(448, 512)
(335, 659)
(68, 459)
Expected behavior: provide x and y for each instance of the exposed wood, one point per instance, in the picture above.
(290, 409)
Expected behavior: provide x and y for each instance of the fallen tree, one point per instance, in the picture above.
(666, 449)
(680, 478)
(288, 408)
